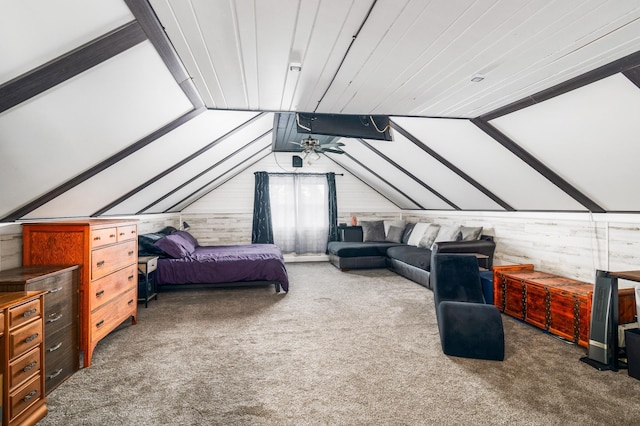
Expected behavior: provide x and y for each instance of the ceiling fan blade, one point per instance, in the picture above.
(334, 151)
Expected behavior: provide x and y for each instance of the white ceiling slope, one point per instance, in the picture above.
(400, 57)
(552, 126)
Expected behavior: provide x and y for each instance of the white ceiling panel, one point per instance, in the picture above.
(394, 176)
(489, 163)
(589, 137)
(202, 162)
(36, 31)
(435, 174)
(83, 121)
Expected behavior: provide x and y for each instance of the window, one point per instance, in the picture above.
(300, 212)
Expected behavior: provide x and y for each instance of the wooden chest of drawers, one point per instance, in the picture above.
(107, 252)
(22, 337)
(559, 305)
(60, 315)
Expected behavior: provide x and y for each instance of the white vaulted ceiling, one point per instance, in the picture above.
(135, 106)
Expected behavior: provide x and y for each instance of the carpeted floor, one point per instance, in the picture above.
(356, 348)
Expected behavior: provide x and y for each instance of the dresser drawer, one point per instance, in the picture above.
(129, 232)
(104, 236)
(112, 314)
(24, 397)
(24, 313)
(25, 338)
(109, 259)
(61, 357)
(105, 289)
(24, 367)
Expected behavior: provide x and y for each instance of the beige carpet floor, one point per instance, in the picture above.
(356, 348)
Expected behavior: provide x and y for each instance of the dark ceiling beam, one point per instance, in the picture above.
(621, 65)
(451, 166)
(409, 174)
(66, 186)
(633, 75)
(395, 188)
(247, 164)
(352, 173)
(69, 65)
(149, 22)
(202, 173)
(537, 165)
(175, 166)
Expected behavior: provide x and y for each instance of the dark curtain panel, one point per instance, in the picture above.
(262, 232)
(333, 208)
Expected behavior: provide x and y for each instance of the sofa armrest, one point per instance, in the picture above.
(485, 245)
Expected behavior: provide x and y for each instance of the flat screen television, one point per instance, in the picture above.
(350, 126)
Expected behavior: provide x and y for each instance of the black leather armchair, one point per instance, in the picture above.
(468, 326)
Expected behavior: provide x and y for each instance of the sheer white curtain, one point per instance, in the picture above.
(300, 212)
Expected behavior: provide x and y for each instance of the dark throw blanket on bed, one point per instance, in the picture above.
(225, 264)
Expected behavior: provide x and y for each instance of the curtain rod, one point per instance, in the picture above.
(303, 174)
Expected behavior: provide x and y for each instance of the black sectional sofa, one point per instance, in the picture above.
(407, 260)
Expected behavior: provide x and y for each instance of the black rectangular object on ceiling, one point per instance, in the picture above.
(349, 126)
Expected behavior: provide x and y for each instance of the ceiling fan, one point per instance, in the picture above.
(313, 146)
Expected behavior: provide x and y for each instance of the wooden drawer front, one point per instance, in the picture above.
(103, 237)
(24, 368)
(112, 314)
(537, 305)
(109, 259)
(24, 397)
(25, 338)
(129, 232)
(105, 289)
(24, 313)
(61, 357)
(57, 316)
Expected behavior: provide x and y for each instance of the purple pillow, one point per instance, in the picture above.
(173, 245)
(190, 242)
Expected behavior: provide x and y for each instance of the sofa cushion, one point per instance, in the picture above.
(417, 233)
(447, 233)
(346, 249)
(407, 232)
(470, 233)
(372, 230)
(429, 236)
(389, 223)
(394, 235)
(414, 256)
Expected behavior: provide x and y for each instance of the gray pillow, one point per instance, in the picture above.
(395, 234)
(429, 236)
(372, 230)
(470, 233)
(407, 232)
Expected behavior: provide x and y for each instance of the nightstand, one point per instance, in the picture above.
(147, 286)
(351, 233)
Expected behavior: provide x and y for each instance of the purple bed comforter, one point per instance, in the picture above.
(225, 264)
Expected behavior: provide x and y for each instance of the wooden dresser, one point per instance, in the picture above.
(22, 337)
(61, 352)
(107, 252)
(559, 305)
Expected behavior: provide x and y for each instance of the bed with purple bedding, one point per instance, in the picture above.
(183, 261)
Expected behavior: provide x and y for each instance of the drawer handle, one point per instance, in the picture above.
(133, 232)
(54, 290)
(53, 318)
(130, 301)
(30, 395)
(31, 338)
(99, 264)
(100, 293)
(121, 234)
(55, 348)
(131, 252)
(100, 324)
(112, 235)
(30, 312)
(54, 375)
(130, 277)
(30, 366)
(96, 238)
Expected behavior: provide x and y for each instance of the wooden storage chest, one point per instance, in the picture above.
(107, 252)
(60, 315)
(559, 305)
